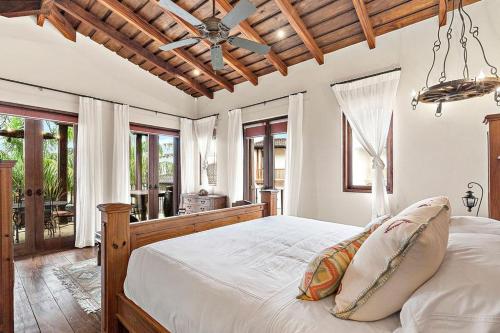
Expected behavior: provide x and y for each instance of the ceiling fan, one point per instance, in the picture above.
(216, 30)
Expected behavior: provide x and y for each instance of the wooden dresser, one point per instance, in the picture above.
(194, 203)
(493, 122)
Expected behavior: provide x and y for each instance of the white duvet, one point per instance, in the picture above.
(240, 278)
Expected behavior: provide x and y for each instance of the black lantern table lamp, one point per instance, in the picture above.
(470, 200)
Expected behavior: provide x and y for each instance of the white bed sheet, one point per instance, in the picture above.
(240, 279)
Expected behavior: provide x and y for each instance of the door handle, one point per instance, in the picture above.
(39, 192)
(156, 187)
(150, 186)
(29, 192)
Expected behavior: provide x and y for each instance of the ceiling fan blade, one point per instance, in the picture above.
(217, 58)
(180, 43)
(179, 11)
(249, 45)
(240, 12)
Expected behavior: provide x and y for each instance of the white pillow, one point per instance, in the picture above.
(473, 224)
(464, 294)
(394, 261)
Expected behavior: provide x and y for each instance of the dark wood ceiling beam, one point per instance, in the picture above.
(232, 61)
(443, 13)
(225, 7)
(17, 8)
(60, 23)
(364, 20)
(84, 16)
(300, 28)
(131, 17)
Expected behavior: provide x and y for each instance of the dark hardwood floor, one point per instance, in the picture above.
(43, 303)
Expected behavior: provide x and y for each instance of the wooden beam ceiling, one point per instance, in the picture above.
(82, 15)
(225, 7)
(443, 13)
(231, 61)
(131, 17)
(300, 28)
(17, 8)
(364, 20)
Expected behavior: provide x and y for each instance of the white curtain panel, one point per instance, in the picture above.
(89, 176)
(368, 105)
(204, 129)
(235, 156)
(188, 176)
(121, 154)
(294, 155)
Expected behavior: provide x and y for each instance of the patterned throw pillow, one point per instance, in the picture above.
(395, 260)
(325, 271)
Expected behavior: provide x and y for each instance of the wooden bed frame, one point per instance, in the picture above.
(7, 249)
(120, 238)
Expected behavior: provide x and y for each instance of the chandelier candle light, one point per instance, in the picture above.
(463, 88)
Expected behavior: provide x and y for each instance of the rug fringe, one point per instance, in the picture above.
(82, 298)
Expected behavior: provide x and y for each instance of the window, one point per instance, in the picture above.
(357, 172)
(265, 158)
(154, 172)
(212, 163)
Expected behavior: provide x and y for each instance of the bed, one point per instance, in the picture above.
(166, 276)
(246, 273)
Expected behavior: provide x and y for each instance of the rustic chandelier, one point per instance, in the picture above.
(463, 88)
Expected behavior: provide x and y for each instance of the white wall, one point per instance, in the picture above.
(431, 156)
(43, 57)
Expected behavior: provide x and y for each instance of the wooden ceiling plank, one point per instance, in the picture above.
(225, 7)
(131, 17)
(82, 15)
(232, 61)
(298, 25)
(443, 13)
(18, 8)
(364, 20)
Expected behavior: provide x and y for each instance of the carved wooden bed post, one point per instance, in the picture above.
(270, 198)
(7, 249)
(115, 252)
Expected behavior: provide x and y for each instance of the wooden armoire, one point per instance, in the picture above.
(493, 121)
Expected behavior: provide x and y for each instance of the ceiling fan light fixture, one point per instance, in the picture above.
(463, 88)
(280, 33)
(196, 72)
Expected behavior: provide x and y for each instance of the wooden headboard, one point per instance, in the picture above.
(7, 249)
(120, 238)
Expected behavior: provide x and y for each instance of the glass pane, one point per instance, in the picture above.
(256, 181)
(139, 169)
(12, 148)
(362, 164)
(58, 180)
(166, 176)
(279, 142)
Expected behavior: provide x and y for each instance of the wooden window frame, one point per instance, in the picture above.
(347, 160)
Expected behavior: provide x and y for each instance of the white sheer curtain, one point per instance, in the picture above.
(294, 153)
(89, 171)
(188, 176)
(368, 105)
(121, 154)
(235, 156)
(204, 129)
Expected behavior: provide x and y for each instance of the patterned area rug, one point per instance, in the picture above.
(83, 280)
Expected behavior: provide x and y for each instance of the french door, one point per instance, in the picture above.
(43, 215)
(265, 158)
(154, 172)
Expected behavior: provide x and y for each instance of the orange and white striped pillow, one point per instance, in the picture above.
(324, 273)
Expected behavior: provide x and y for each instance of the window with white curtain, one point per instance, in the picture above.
(358, 163)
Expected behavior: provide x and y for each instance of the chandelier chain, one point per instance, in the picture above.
(463, 40)
(474, 31)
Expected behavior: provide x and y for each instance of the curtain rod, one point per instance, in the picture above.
(270, 100)
(101, 99)
(367, 77)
